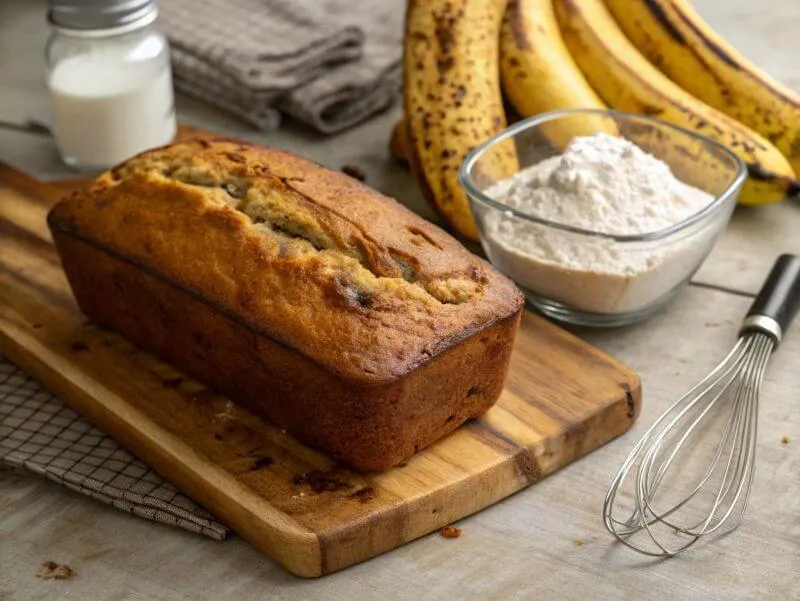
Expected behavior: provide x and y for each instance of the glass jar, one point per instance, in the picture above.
(110, 81)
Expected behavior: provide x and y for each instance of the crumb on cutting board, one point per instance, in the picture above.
(451, 532)
(261, 462)
(785, 440)
(56, 571)
(320, 481)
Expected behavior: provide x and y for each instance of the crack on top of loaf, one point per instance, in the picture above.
(295, 226)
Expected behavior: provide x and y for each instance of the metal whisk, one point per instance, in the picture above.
(682, 491)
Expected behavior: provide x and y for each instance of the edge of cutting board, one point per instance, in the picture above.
(544, 419)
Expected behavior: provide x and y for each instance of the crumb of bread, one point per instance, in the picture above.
(451, 532)
(57, 571)
(577, 543)
(785, 440)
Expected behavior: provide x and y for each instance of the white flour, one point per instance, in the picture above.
(605, 184)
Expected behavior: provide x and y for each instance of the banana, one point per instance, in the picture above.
(624, 78)
(539, 75)
(674, 37)
(397, 143)
(452, 99)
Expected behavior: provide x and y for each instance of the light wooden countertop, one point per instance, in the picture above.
(522, 548)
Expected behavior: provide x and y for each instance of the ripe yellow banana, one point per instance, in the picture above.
(452, 98)
(397, 140)
(675, 38)
(624, 78)
(539, 75)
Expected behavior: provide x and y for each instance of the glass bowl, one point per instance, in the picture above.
(595, 278)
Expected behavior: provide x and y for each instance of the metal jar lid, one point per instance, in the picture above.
(93, 15)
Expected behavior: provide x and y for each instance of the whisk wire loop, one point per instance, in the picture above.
(718, 497)
(732, 387)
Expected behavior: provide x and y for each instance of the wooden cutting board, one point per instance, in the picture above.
(563, 399)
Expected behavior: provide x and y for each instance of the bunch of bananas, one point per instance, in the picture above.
(465, 60)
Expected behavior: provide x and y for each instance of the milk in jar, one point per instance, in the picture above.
(110, 82)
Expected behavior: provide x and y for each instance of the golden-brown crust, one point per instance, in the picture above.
(363, 426)
(307, 256)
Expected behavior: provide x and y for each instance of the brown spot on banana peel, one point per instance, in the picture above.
(757, 172)
(444, 33)
(778, 182)
(729, 60)
(415, 165)
(651, 110)
(712, 46)
(658, 12)
(659, 15)
(701, 123)
(515, 20)
(445, 63)
(463, 42)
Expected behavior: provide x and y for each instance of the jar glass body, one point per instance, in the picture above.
(111, 93)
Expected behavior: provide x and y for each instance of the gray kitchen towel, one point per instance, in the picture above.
(40, 435)
(328, 63)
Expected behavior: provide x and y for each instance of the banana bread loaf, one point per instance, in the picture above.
(318, 303)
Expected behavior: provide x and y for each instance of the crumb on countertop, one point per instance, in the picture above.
(354, 171)
(577, 543)
(56, 571)
(451, 532)
(785, 440)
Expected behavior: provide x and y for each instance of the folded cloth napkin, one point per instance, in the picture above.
(40, 435)
(328, 63)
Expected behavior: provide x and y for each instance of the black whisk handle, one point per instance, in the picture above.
(778, 301)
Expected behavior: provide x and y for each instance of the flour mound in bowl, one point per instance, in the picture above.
(603, 184)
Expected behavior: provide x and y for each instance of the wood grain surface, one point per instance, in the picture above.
(563, 399)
